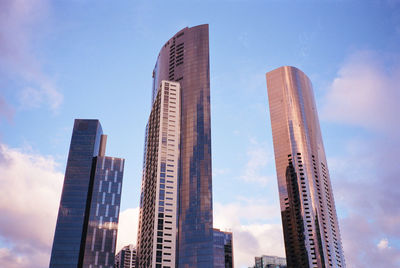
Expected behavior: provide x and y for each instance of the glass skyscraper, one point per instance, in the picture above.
(185, 59)
(309, 219)
(86, 228)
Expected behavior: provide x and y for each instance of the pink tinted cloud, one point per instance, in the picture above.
(366, 250)
(30, 189)
(366, 93)
(366, 190)
(20, 22)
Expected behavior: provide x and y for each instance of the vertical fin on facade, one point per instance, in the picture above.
(103, 143)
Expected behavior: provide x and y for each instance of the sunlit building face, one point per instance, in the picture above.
(183, 59)
(310, 225)
(159, 196)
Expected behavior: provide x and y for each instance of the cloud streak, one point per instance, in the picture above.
(258, 159)
(20, 21)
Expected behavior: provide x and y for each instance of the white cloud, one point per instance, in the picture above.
(220, 171)
(255, 226)
(27, 183)
(127, 227)
(21, 21)
(249, 210)
(46, 94)
(383, 244)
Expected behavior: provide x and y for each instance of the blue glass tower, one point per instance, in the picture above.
(87, 220)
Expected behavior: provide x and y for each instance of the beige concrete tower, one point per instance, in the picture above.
(157, 233)
(309, 219)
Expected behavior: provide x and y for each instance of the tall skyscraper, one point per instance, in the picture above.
(223, 249)
(86, 229)
(126, 257)
(309, 219)
(157, 230)
(185, 59)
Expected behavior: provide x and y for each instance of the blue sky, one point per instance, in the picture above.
(62, 60)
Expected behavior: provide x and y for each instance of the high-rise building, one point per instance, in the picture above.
(223, 249)
(310, 225)
(157, 230)
(266, 261)
(126, 257)
(86, 229)
(184, 59)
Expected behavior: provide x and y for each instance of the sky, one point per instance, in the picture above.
(61, 60)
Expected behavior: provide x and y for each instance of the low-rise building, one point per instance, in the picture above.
(126, 257)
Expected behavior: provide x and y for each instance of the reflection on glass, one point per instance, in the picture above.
(309, 219)
(185, 59)
(87, 220)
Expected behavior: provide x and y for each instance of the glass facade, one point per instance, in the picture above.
(185, 59)
(269, 262)
(223, 249)
(104, 212)
(309, 219)
(88, 213)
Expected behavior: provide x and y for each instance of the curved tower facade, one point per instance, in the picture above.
(309, 219)
(185, 59)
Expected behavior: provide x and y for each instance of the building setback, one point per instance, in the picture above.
(185, 59)
(126, 257)
(86, 229)
(310, 225)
